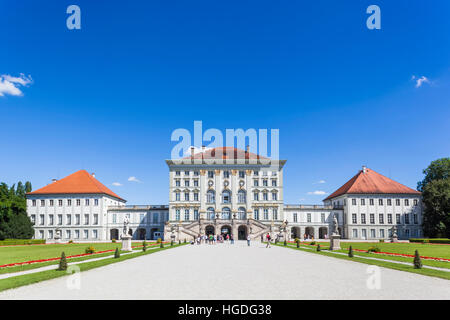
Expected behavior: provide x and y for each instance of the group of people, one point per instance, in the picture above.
(308, 237)
(213, 239)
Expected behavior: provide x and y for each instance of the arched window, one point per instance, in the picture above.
(211, 213)
(226, 213)
(241, 196)
(210, 196)
(226, 196)
(242, 214)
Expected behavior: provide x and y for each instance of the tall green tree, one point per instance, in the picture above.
(28, 186)
(435, 188)
(14, 222)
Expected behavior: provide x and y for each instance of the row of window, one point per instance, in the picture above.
(406, 218)
(381, 201)
(143, 218)
(59, 219)
(226, 173)
(226, 214)
(265, 183)
(381, 233)
(309, 217)
(60, 202)
(69, 235)
(226, 196)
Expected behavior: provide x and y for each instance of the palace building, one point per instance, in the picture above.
(225, 191)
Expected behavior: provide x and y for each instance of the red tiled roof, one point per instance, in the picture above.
(225, 153)
(371, 182)
(80, 182)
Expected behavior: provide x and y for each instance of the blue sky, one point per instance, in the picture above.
(106, 98)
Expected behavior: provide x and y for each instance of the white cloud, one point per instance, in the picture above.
(302, 199)
(321, 181)
(11, 85)
(317, 193)
(117, 184)
(420, 81)
(133, 179)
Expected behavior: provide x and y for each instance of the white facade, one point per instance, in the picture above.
(80, 217)
(225, 191)
(372, 216)
(145, 222)
(312, 221)
(240, 198)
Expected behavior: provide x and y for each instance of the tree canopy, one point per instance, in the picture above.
(14, 222)
(435, 188)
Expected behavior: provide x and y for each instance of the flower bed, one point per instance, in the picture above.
(405, 255)
(68, 257)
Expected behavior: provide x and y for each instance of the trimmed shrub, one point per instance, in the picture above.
(11, 242)
(417, 260)
(113, 240)
(184, 240)
(117, 253)
(298, 244)
(90, 249)
(159, 240)
(318, 247)
(70, 241)
(63, 262)
(296, 240)
(161, 245)
(381, 240)
(171, 243)
(179, 241)
(350, 252)
(435, 240)
(313, 243)
(373, 249)
(144, 246)
(285, 243)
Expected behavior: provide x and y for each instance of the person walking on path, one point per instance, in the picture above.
(268, 240)
(248, 240)
(231, 239)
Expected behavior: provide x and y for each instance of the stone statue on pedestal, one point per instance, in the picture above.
(58, 235)
(335, 225)
(126, 228)
(335, 237)
(126, 238)
(394, 232)
(394, 236)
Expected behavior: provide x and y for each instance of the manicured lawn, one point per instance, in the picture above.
(360, 259)
(25, 267)
(18, 281)
(429, 250)
(15, 254)
(432, 263)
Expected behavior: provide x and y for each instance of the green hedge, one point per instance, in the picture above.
(10, 242)
(442, 240)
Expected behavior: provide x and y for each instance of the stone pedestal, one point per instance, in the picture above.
(126, 243)
(335, 242)
(394, 239)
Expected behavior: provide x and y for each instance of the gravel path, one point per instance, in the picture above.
(236, 271)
